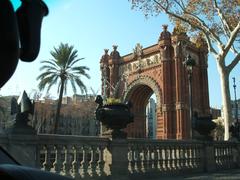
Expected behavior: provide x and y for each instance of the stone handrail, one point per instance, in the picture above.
(94, 157)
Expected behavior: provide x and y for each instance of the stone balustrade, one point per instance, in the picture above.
(78, 157)
(100, 158)
(153, 157)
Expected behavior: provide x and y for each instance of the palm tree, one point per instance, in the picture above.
(60, 70)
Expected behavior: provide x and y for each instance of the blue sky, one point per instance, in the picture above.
(92, 26)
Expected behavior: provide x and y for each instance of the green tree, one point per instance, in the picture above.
(218, 22)
(60, 70)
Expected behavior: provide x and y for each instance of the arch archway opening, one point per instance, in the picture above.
(144, 125)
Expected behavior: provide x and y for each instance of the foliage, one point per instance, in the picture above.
(218, 132)
(60, 70)
(111, 101)
(217, 22)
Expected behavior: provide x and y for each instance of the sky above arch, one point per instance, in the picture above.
(92, 26)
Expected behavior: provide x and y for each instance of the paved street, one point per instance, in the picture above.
(230, 174)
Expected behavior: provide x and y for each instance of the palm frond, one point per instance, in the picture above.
(47, 80)
(81, 85)
(50, 62)
(72, 81)
(81, 70)
(71, 58)
(54, 81)
(75, 61)
(45, 74)
(47, 67)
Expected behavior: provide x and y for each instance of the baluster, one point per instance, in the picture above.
(93, 162)
(46, 163)
(146, 152)
(193, 155)
(221, 157)
(169, 158)
(75, 163)
(66, 162)
(130, 160)
(41, 150)
(57, 163)
(154, 159)
(177, 156)
(229, 159)
(84, 162)
(190, 157)
(216, 149)
(137, 160)
(225, 156)
(174, 158)
(100, 162)
(142, 159)
(186, 157)
(160, 159)
(165, 160)
(231, 156)
(169, 165)
(181, 157)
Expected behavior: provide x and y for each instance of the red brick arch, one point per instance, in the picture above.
(159, 69)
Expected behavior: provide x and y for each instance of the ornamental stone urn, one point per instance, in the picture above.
(114, 117)
(203, 125)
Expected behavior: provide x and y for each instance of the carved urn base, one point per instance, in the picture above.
(115, 134)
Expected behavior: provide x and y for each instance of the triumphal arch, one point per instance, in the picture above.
(159, 69)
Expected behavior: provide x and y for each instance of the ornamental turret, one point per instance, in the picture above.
(164, 43)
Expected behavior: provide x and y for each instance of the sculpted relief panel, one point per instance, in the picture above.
(140, 64)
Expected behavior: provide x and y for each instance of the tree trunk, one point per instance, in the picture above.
(58, 108)
(226, 98)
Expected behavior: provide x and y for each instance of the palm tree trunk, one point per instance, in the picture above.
(58, 108)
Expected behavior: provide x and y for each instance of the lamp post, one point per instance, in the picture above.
(236, 108)
(189, 63)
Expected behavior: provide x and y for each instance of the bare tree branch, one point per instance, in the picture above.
(206, 33)
(232, 38)
(233, 63)
(233, 49)
(205, 27)
(223, 19)
(180, 4)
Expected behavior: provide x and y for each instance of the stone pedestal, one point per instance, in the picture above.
(119, 166)
(209, 164)
(23, 148)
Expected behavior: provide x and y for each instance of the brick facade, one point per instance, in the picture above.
(159, 69)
